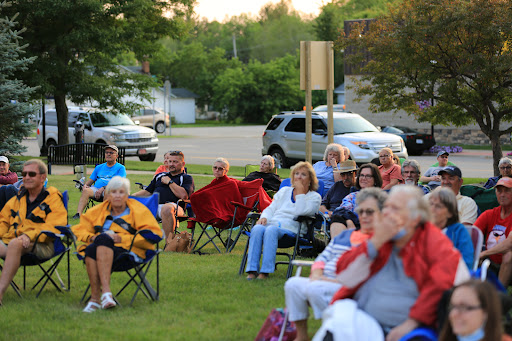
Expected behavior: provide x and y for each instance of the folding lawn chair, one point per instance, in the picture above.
(297, 241)
(477, 237)
(92, 201)
(62, 245)
(224, 206)
(137, 271)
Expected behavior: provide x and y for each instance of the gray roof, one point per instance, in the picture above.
(183, 93)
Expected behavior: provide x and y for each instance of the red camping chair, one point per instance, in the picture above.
(224, 205)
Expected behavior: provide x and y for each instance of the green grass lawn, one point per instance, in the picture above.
(201, 298)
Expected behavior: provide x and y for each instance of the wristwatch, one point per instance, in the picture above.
(170, 182)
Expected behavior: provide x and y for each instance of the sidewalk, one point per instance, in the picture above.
(68, 170)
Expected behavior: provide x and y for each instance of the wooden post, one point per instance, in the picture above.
(309, 126)
(330, 90)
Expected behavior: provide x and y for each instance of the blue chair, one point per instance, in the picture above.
(137, 271)
(62, 246)
(298, 242)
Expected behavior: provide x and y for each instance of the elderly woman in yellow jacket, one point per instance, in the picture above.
(108, 230)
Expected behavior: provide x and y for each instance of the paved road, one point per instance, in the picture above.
(242, 145)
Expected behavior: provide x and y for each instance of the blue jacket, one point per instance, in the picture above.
(462, 242)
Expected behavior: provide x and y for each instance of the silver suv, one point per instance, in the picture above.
(285, 137)
(102, 126)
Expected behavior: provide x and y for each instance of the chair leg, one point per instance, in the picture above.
(243, 263)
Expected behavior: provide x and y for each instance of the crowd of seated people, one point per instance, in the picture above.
(389, 268)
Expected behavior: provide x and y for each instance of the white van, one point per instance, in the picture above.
(103, 126)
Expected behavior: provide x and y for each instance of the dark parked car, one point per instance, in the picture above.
(415, 142)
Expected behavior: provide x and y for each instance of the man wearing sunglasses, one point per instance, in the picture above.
(171, 186)
(24, 216)
(100, 178)
(505, 167)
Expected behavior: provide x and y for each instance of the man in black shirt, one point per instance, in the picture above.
(171, 186)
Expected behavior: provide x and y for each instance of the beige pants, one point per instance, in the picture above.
(42, 250)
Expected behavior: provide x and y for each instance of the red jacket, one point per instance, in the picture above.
(429, 258)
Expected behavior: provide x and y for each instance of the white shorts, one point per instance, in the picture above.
(158, 215)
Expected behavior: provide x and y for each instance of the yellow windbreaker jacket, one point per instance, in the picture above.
(139, 218)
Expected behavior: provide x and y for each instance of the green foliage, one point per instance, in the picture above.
(14, 93)
(456, 53)
(257, 91)
(76, 43)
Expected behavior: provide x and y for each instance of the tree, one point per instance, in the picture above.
(454, 53)
(14, 94)
(256, 91)
(76, 43)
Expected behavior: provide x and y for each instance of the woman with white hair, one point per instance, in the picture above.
(107, 230)
(271, 181)
(328, 169)
(505, 167)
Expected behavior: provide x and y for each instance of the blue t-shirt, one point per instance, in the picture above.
(324, 173)
(102, 174)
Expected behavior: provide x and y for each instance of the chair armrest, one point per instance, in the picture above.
(79, 185)
(300, 262)
(141, 186)
(146, 234)
(238, 204)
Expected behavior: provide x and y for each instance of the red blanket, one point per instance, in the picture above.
(212, 203)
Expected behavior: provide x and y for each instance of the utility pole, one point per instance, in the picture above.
(234, 45)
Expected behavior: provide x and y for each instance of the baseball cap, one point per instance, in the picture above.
(4, 159)
(506, 182)
(442, 152)
(111, 146)
(452, 170)
(347, 166)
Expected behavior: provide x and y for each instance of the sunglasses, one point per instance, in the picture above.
(218, 168)
(31, 174)
(110, 153)
(369, 211)
(175, 152)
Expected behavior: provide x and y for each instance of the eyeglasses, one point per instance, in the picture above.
(386, 155)
(218, 168)
(175, 152)
(443, 156)
(463, 308)
(369, 211)
(31, 174)
(110, 153)
(365, 176)
(505, 167)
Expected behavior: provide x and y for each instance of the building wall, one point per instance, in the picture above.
(470, 134)
(183, 110)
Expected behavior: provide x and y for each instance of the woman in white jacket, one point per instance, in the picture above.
(277, 219)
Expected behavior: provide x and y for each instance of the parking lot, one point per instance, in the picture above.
(242, 145)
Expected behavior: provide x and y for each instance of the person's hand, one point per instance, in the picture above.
(316, 274)
(98, 193)
(301, 187)
(437, 177)
(262, 221)
(25, 240)
(86, 186)
(115, 237)
(333, 164)
(385, 230)
(396, 333)
(329, 213)
(165, 180)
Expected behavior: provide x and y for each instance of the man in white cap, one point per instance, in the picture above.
(496, 224)
(334, 196)
(100, 178)
(432, 176)
(6, 176)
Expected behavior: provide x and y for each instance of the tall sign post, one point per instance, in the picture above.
(317, 73)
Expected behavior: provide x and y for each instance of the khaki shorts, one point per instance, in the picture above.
(42, 250)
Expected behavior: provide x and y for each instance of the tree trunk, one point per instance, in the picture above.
(62, 119)
(497, 153)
